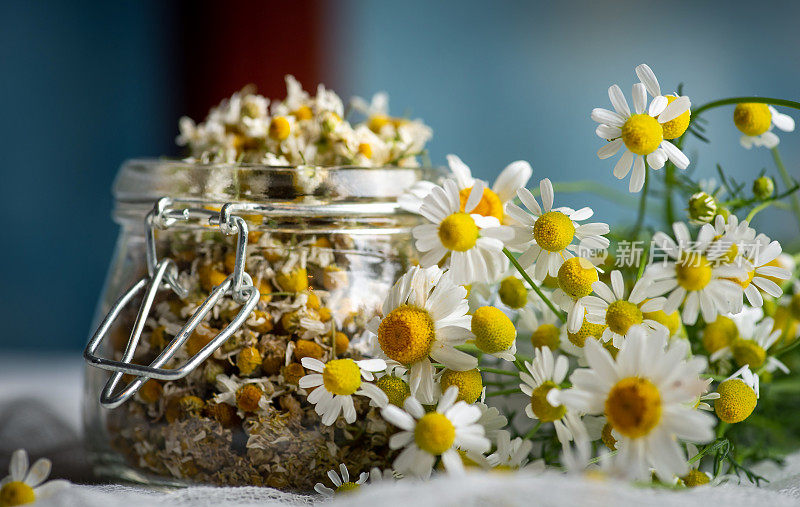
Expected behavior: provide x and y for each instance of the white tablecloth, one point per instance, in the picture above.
(40, 399)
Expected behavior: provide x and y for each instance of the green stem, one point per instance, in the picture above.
(535, 287)
(787, 180)
(669, 182)
(754, 211)
(642, 206)
(533, 431)
(721, 429)
(498, 371)
(738, 100)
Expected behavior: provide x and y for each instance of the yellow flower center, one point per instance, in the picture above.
(587, 329)
(279, 128)
(786, 324)
(248, 360)
(396, 389)
(347, 487)
(576, 276)
(748, 352)
(489, 205)
(341, 376)
(16, 493)
(406, 334)
(553, 231)
(377, 122)
(671, 321)
(621, 315)
(546, 335)
(736, 401)
(642, 134)
(512, 292)
(303, 113)
(493, 330)
(365, 149)
(469, 384)
(295, 280)
(719, 334)
(434, 433)
(542, 408)
(633, 407)
(458, 232)
(677, 126)
(607, 438)
(693, 272)
(746, 282)
(249, 395)
(751, 118)
(695, 478)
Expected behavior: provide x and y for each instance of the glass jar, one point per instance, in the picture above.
(323, 247)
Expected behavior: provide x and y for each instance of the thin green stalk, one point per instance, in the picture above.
(533, 431)
(757, 209)
(535, 287)
(738, 100)
(498, 371)
(642, 205)
(787, 180)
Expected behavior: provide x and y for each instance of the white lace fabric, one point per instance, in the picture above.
(40, 400)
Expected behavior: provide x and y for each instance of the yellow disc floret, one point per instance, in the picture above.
(489, 205)
(677, 126)
(621, 315)
(347, 487)
(542, 408)
(671, 321)
(642, 134)
(576, 276)
(753, 119)
(303, 113)
(16, 493)
(719, 334)
(279, 128)
(341, 376)
(736, 401)
(633, 407)
(376, 122)
(553, 231)
(469, 384)
(396, 389)
(406, 334)
(748, 352)
(458, 232)
(587, 329)
(512, 292)
(365, 149)
(295, 280)
(693, 272)
(248, 360)
(434, 433)
(695, 478)
(546, 335)
(493, 330)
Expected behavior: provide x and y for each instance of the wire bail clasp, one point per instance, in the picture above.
(163, 275)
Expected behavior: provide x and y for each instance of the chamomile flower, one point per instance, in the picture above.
(424, 436)
(751, 347)
(755, 121)
(692, 279)
(473, 242)
(738, 395)
(546, 234)
(492, 203)
(337, 381)
(545, 330)
(641, 133)
(512, 454)
(545, 375)
(341, 483)
(575, 279)
(695, 477)
(26, 485)
(424, 317)
(619, 313)
(763, 271)
(673, 128)
(494, 332)
(646, 394)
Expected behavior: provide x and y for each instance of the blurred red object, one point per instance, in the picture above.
(227, 45)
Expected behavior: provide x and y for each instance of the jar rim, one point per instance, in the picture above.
(147, 179)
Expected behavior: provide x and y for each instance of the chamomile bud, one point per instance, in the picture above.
(736, 401)
(469, 384)
(702, 208)
(763, 187)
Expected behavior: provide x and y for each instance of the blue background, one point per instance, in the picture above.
(84, 86)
